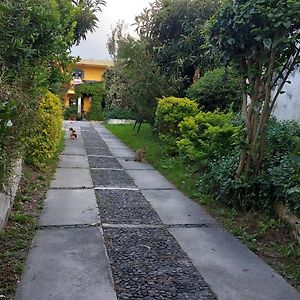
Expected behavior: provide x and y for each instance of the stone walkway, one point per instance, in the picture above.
(113, 228)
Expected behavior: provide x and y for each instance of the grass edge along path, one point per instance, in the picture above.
(265, 235)
(16, 238)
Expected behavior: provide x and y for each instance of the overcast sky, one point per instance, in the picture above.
(94, 47)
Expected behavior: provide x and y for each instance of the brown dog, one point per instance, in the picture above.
(140, 155)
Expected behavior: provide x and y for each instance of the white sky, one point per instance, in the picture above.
(94, 47)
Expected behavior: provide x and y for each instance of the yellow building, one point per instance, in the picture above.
(85, 71)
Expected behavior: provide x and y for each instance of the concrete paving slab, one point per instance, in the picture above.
(74, 143)
(67, 264)
(72, 178)
(73, 161)
(76, 124)
(111, 139)
(115, 144)
(149, 179)
(134, 165)
(174, 207)
(231, 270)
(101, 128)
(122, 152)
(106, 135)
(69, 207)
(69, 150)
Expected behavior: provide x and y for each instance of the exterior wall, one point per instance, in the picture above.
(92, 72)
(288, 104)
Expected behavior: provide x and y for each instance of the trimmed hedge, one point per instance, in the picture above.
(208, 135)
(169, 113)
(44, 138)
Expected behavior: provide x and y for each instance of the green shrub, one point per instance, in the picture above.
(217, 89)
(70, 112)
(120, 113)
(169, 113)
(279, 179)
(44, 138)
(16, 114)
(207, 136)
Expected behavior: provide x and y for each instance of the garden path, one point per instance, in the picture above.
(113, 228)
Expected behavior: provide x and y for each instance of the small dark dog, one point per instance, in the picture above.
(73, 134)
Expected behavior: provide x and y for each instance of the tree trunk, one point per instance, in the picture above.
(256, 117)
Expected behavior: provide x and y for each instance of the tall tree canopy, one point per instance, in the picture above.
(173, 30)
(85, 17)
(41, 32)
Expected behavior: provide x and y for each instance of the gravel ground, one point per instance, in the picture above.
(149, 264)
(98, 151)
(111, 178)
(94, 142)
(104, 162)
(125, 207)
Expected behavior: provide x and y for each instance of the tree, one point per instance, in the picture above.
(173, 30)
(40, 35)
(116, 82)
(118, 33)
(145, 81)
(262, 37)
(85, 17)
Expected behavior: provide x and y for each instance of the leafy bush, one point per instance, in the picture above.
(279, 179)
(217, 89)
(16, 114)
(208, 135)
(70, 112)
(169, 113)
(7, 146)
(120, 113)
(44, 138)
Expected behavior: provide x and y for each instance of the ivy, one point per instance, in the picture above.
(97, 91)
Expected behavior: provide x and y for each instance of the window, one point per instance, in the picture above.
(78, 74)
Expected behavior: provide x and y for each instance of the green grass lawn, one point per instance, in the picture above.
(267, 237)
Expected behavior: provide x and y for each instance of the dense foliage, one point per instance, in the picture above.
(278, 180)
(116, 83)
(145, 82)
(173, 31)
(120, 113)
(14, 114)
(169, 113)
(207, 136)
(97, 91)
(36, 39)
(262, 38)
(44, 136)
(217, 89)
